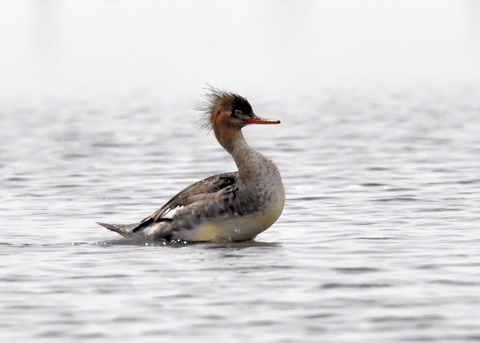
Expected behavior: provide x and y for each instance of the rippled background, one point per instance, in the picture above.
(379, 150)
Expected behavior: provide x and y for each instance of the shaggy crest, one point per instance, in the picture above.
(214, 95)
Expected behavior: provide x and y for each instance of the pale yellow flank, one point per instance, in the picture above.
(240, 227)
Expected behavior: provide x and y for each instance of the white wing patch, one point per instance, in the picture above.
(170, 213)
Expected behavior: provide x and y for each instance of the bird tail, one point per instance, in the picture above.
(126, 230)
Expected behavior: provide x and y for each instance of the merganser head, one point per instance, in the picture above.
(230, 110)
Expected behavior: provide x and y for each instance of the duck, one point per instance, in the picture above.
(233, 206)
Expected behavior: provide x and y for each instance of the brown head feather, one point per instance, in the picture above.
(217, 99)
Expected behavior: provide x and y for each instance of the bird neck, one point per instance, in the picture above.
(247, 159)
(230, 138)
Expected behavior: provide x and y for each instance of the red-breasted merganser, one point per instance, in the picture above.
(233, 206)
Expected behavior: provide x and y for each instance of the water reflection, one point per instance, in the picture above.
(176, 244)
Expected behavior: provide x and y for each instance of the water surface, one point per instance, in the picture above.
(379, 239)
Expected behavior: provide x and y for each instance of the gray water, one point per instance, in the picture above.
(379, 240)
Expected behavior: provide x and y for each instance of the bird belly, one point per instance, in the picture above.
(235, 228)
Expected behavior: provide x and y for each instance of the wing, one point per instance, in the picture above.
(197, 191)
(194, 192)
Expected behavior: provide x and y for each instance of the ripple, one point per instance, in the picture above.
(355, 285)
(396, 199)
(356, 270)
(378, 240)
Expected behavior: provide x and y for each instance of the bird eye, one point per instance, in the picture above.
(237, 113)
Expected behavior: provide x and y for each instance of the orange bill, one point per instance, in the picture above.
(256, 120)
